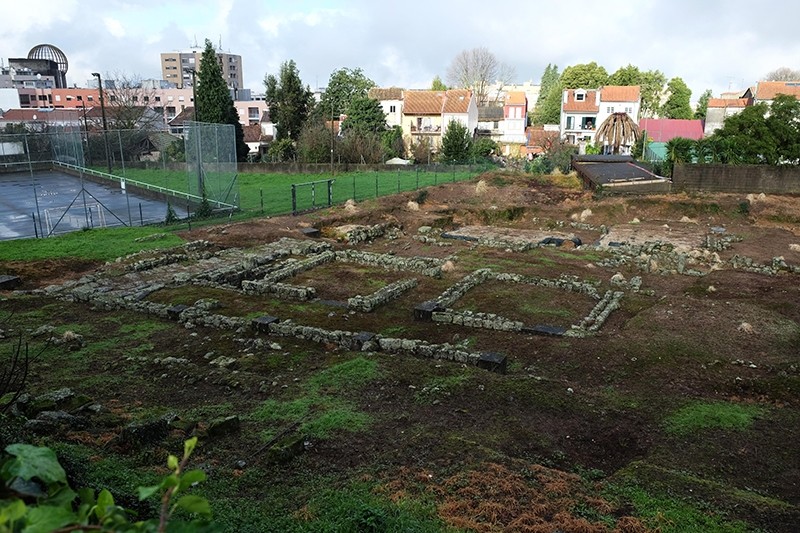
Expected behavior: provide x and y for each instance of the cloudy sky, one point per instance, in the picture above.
(717, 45)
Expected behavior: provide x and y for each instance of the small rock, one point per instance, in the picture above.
(412, 206)
(746, 327)
(422, 230)
(225, 362)
(635, 221)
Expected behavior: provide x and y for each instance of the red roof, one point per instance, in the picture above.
(587, 105)
(662, 130)
(436, 102)
(728, 102)
(768, 90)
(619, 93)
(55, 115)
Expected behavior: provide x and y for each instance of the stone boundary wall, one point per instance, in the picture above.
(461, 287)
(567, 283)
(778, 264)
(282, 291)
(598, 316)
(292, 268)
(427, 266)
(168, 256)
(382, 296)
(737, 178)
(476, 320)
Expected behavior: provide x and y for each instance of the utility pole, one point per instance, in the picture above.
(105, 124)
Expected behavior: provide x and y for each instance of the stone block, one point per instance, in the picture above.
(493, 362)
(361, 338)
(425, 310)
(310, 232)
(8, 283)
(261, 324)
(541, 329)
(174, 312)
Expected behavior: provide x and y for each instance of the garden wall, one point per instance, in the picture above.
(737, 178)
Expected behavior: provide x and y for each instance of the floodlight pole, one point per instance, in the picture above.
(105, 124)
(200, 184)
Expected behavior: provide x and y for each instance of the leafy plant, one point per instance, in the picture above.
(37, 497)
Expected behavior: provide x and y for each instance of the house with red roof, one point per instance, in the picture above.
(582, 110)
(720, 108)
(662, 130)
(766, 91)
(426, 114)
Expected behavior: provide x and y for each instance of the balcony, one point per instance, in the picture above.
(426, 130)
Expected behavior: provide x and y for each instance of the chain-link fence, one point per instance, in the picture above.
(54, 182)
(211, 162)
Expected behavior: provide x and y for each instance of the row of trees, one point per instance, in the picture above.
(760, 134)
(653, 85)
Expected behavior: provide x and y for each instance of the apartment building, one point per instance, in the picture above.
(174, 66)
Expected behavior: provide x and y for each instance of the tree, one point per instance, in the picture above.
(214, 104)
(128, 104)
(315, 142)
(344, 86)
(549, 112)
(584, 76)
(289, 102)
(679, 150)
(651, 83)
(476, 69)
(364, 115)
(483, 148)
(702, 105)
(783, 74)
(677, 103)
(456, 143)
(616, 131)
(784, 123)
(549, 80)
(392, 142)
(438, 85)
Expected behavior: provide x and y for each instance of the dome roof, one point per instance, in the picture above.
(48, 51)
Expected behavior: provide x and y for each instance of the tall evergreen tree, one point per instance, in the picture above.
(702, 105)
(456, 143)
(289, 102)
(549, 78)
(677, 103)
(438, 85)
(214, 104)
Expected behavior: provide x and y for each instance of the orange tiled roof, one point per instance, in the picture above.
(620, 93)
(385, 93)
(768, 90)
(587, 105)
(436, 102)
(27, 114)
(727, 102)
(515, 98)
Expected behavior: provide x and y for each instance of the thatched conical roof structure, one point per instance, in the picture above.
(616, 131)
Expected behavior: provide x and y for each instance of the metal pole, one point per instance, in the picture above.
(33, 180)
(141, 216)
(105, 124)
(35, 231)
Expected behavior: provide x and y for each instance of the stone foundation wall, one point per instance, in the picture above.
(282, 291)
(382, 296)
(292, 268)
(427, 266)
(460, 288)
(476, 320)
(567, 283)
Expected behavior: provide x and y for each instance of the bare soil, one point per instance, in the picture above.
(552, 444)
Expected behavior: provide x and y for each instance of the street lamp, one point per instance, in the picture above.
(103, 111)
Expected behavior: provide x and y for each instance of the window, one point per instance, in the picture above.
(496, 124)
(158, 98)
(146, 99)
(112, 98)
(135, 99)
(610, 109)
(629, 110)
(392, 109)
(69, 98)
(58, 98)
(90, 98)
(570, 121)
(181, 98)
(580, 97)
(79, 97)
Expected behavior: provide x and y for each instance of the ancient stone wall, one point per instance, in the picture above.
(382, 296)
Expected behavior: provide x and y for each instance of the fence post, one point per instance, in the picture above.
(376, 186)
(313, 195)
(330, 193)
(35, 231)
(141, 216)
(417, 178)
(261, 194)
(294, 200)
(189, 216)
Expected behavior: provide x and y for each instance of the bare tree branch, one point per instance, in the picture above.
(476, 69)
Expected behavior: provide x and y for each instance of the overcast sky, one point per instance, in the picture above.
(717, 45)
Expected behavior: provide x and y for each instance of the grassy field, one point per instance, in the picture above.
(271, 194)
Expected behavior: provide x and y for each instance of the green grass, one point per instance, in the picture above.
(712, 415)
(440, 386)
(95, 244)
(671, 515)
(354, 373)
(274, 190)
(320, 411)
